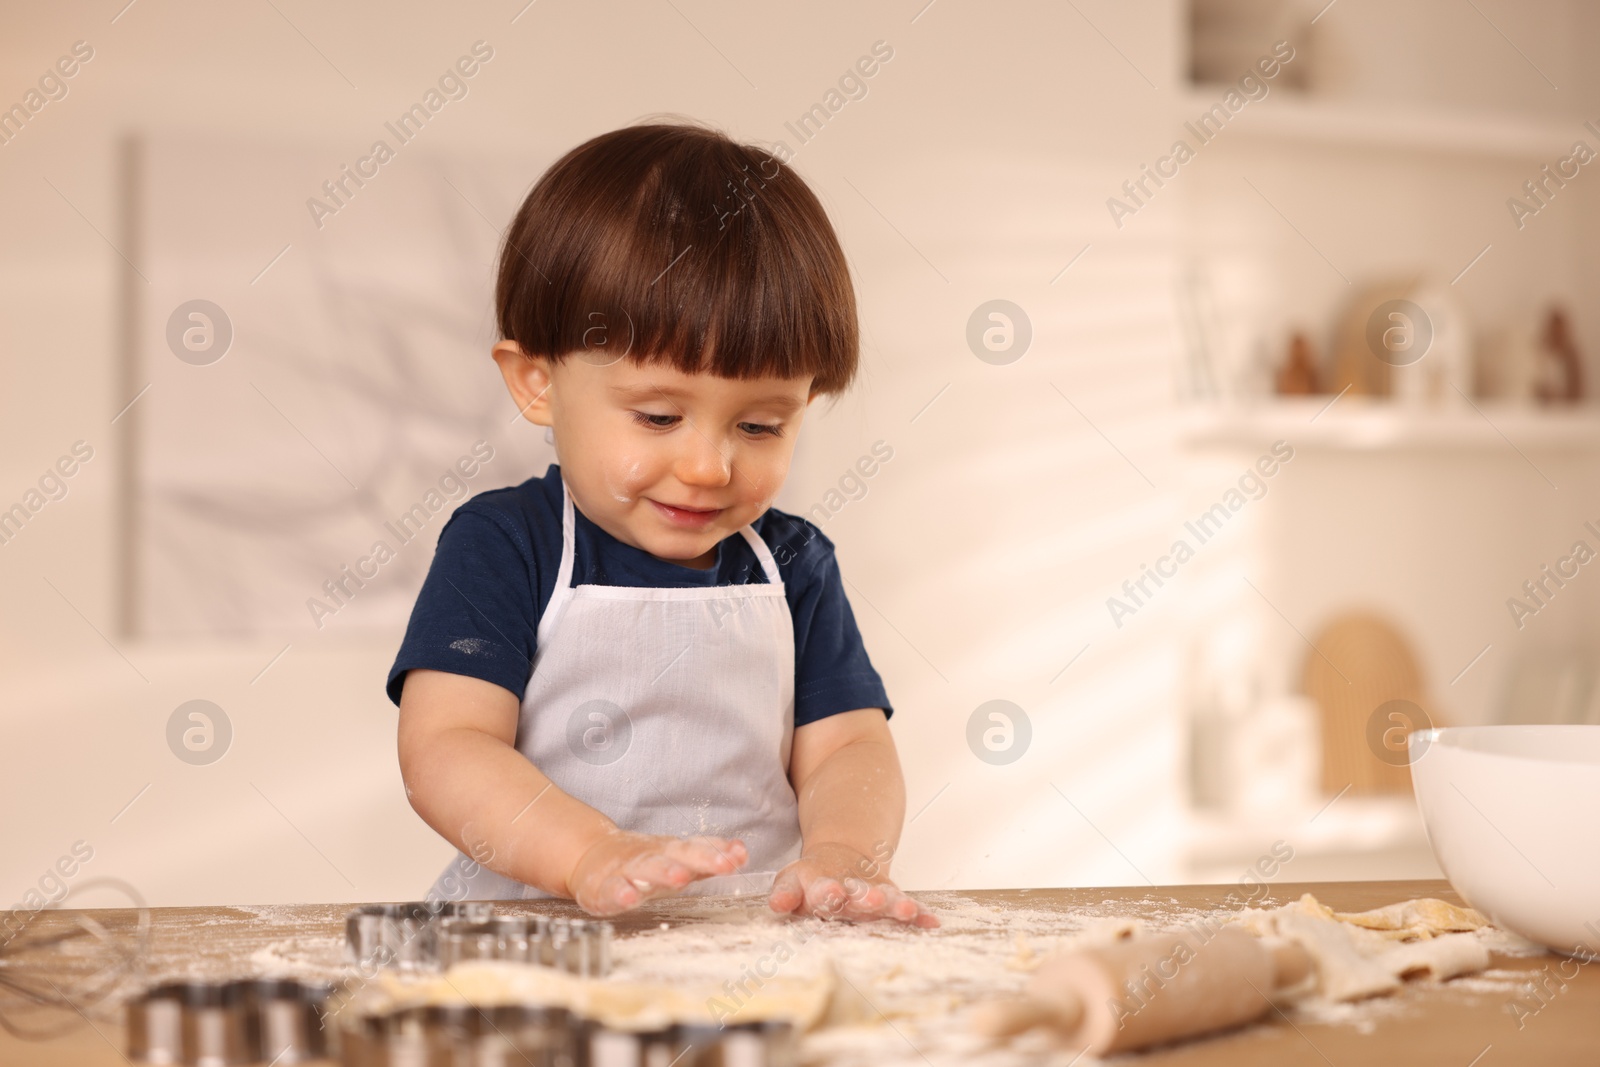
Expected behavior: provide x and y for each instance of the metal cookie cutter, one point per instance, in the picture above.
(432, 935)
(761, 1044)
(219, 1024)
(460, 1035)
(576, 946)
(403, 936)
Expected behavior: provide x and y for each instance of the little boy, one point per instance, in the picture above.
(632, 677)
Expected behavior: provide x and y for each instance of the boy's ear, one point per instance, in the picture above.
(527, 379)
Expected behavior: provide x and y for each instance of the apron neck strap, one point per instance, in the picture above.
(763, 553)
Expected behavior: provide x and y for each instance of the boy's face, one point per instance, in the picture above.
(668, 462)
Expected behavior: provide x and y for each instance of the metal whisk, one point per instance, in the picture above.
(27, 992)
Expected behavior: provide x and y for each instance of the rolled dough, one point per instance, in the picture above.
(1370, 953)
(1409, 919)
(802, 1000)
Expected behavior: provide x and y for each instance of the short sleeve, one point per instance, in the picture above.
(476, 613)
(833, 673)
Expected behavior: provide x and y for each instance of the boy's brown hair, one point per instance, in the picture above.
(674, 243)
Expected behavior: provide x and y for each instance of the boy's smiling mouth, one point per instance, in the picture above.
(689, 518)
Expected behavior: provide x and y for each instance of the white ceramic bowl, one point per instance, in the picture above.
(1513, 815)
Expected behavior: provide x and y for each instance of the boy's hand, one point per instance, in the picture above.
(623, 869)
(837, 882)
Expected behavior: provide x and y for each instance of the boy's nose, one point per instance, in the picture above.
(704, 461)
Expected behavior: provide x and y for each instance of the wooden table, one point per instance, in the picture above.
(1444, 1025)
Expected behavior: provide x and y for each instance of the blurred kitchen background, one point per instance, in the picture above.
(1342, 348)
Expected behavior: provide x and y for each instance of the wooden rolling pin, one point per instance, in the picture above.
(1147, 990)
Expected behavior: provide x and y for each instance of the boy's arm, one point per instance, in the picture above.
(465, 777)
(852, 799)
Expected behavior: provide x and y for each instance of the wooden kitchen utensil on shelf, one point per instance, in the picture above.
(1561, 366)
(1297, 376)
(1146, 990)
(1364, 677)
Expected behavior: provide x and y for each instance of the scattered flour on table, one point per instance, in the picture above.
(1507, 943)
(1495, 982)
(919, 983)
(301, 957)
(916, 984)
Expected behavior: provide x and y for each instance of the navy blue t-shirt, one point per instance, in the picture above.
(494, 572)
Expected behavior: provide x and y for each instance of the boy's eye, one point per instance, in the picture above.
(663, 422)
(761, 429)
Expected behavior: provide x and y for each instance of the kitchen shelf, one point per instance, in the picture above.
(1286, 115)
(1356, 424)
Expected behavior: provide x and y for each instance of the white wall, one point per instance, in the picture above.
(981, 547)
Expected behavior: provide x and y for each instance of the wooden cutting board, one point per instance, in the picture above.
(1364, 678)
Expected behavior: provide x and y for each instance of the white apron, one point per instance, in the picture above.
(671, 711)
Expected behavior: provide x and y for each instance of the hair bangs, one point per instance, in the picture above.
(674, 244)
